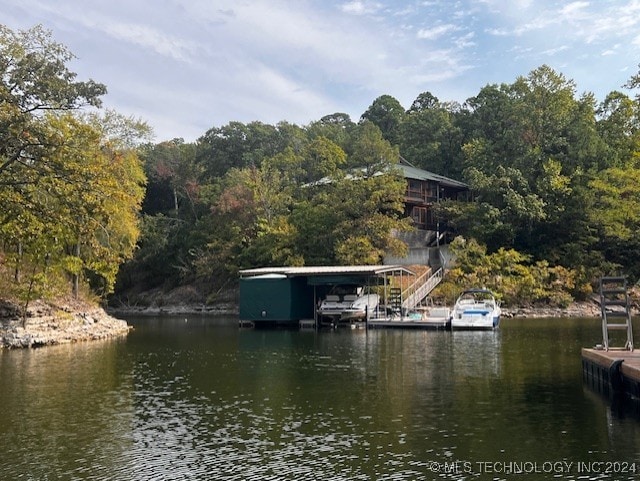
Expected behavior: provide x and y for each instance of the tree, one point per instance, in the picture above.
(619, 128)
(255, 205)
(35, 79)
(238, 145)
(429, 138)
(175, 178)
(336, 127)
(370, 152)
(70, 195)
(387, 114)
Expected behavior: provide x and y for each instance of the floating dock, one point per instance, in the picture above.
(427, 324)
(410, 324)
(611, 372)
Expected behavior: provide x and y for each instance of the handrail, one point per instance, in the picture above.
(423, 285)
(420, 289)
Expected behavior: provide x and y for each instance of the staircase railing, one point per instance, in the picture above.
(421, 288)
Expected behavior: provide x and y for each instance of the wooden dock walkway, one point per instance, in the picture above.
(613, 371)
(409, 324)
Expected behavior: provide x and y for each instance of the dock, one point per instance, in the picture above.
(428, 323)
(409, 324)
(612, 372)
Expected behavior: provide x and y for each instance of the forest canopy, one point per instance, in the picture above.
(88, 199)
(554, 178)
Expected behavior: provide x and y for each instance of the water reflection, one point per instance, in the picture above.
(201, 399)
(65, 409)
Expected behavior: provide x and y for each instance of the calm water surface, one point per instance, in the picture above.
(201, 399)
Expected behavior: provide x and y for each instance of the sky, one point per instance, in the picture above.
(186, 66)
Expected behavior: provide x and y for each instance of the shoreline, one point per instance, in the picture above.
(70, 321)
(48, 324)
(577, 309)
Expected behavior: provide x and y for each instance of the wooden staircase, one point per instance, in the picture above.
(417, 293)
(421, 288)
(615, 310)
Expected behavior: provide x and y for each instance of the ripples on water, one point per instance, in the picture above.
(203, 400)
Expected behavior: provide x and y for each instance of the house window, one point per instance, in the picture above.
(419, 215)
(414, 189)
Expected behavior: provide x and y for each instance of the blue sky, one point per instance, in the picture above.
(185, 66)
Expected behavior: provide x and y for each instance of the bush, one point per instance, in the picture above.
(510, 275)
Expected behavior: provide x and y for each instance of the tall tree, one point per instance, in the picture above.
(175, 178)
(387, 114)
(429, 137)
(336, 127)
(70, 196)
(34, 80)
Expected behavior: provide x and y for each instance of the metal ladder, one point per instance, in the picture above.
(615, 309)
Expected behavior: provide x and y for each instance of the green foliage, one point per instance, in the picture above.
(553, 182)
(430, 138)
(387, 114)
(511, 275)
(71, 187)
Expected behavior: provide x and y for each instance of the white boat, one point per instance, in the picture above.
(359, 309)
(476, 309)
(338, 300)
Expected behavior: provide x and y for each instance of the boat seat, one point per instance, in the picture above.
(332, 298)
(350, 297)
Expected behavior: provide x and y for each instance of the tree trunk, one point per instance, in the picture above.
(16, 274)
(76, 275)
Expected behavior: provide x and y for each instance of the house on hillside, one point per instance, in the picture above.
(424, 190)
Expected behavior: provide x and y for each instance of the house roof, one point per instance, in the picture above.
(408, 172)
(411, 172)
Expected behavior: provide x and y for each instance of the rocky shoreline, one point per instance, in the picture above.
(577, 309)
(60, 323)
(75, 321)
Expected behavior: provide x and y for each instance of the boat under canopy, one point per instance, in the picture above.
(293, 294)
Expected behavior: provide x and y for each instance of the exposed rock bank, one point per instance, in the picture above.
(175, 310)
(577, 309)
(65, 321)
(187, 299)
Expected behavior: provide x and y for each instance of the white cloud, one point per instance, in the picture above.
(189, 65)
(556, 50)
(150, 38)
(358, 7)
(574, 8)
(435, 32)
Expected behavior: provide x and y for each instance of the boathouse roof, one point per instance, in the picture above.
(367, 271)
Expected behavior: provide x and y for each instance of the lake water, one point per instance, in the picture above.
(200, 399)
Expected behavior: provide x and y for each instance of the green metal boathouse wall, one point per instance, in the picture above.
(281, 299)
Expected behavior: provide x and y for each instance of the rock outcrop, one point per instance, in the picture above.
(64, 321)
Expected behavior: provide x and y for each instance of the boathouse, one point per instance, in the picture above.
(271, 295)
